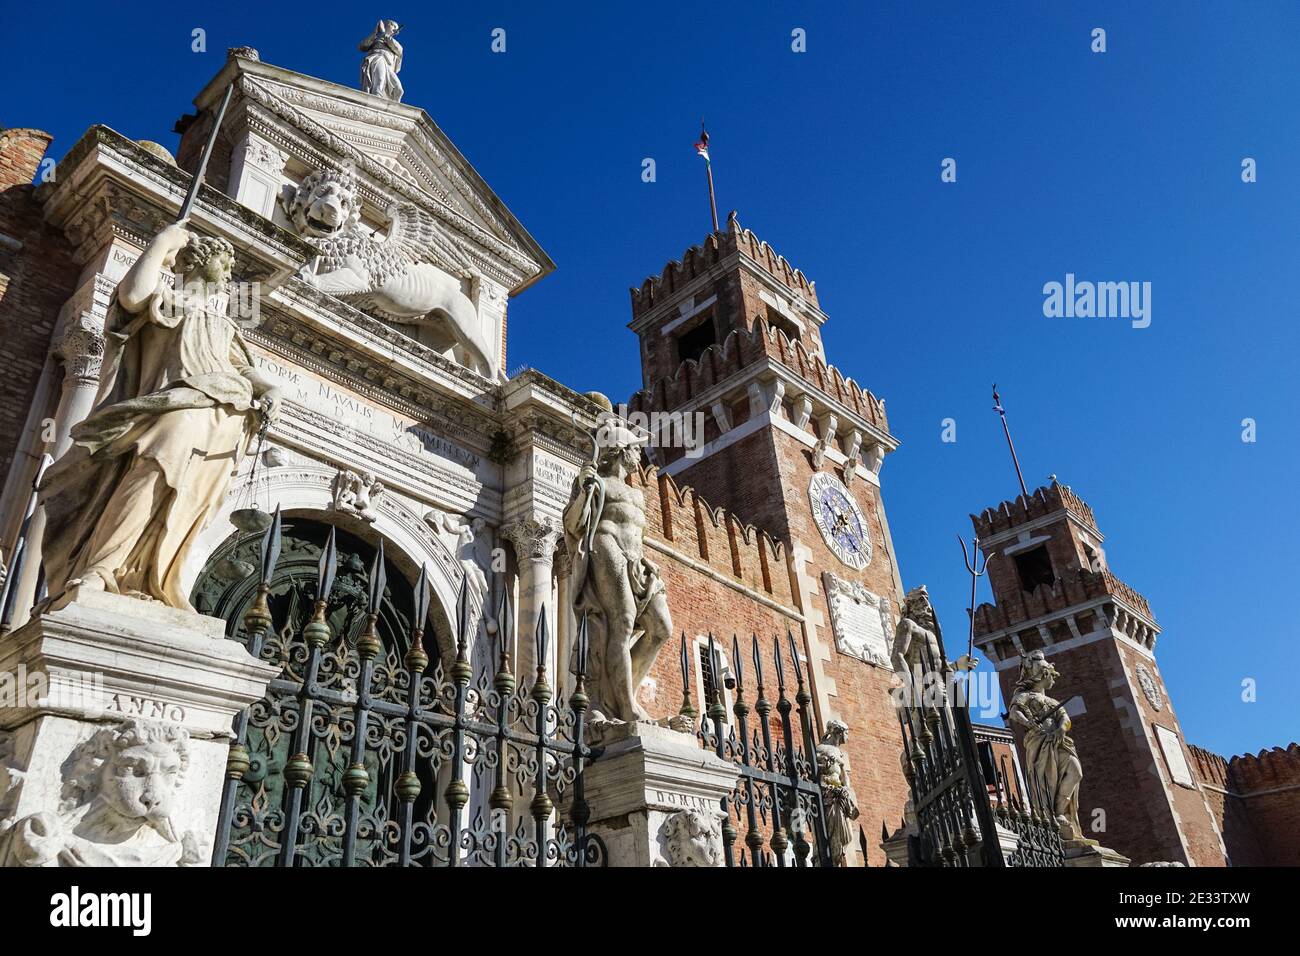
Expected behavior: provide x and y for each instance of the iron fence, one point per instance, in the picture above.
(360, 756)
(778, 796)
(958, 803)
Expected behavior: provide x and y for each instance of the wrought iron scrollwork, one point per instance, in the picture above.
(368, 751)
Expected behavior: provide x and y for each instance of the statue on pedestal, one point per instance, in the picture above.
(838, 798)
(1051, 762)
(612, 581)
(383, 61)
(179, 404)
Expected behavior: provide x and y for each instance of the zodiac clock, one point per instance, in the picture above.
(840, 520)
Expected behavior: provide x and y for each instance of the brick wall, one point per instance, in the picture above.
(1256, 799)
(710, 559)
(37, 275)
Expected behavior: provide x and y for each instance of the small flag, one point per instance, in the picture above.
(702, 147)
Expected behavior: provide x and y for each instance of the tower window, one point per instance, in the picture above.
(1035, 568)
(778, 321)
(691, 345)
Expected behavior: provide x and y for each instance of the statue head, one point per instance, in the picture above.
(916, 605)
(133, 770)
(693, 838)
(1036, 672)
(207, 260)
(617, 443)
(837, 732)
(325, 203)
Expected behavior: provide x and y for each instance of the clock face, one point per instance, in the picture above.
(840, 520)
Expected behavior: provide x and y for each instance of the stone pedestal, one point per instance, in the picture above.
(113, 745)
(655, 797)
(1092, 855)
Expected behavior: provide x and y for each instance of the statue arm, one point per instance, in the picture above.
(142, 282)
(902, 642)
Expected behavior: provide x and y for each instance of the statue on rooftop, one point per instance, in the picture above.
(383, 61)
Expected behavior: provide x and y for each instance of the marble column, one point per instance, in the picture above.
(81, 350)
(535, 538)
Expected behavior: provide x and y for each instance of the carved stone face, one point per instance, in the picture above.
(325, 206)
(694, 839)
(139, 782)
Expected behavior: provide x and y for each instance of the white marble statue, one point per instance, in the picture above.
(179, 403)
(383, 61)
(393, 277)
(918, 662)
(119, 793)
(838, 798)
(461, 533)
(1051, 762)
(612, 581)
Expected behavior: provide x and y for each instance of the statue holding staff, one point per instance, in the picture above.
(179, 404)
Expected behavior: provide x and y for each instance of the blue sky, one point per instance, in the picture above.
(1122, 166)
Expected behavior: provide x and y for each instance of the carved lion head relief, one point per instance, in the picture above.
(325, 204)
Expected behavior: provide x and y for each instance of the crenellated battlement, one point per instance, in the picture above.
(1271, 769)
(741, 348)
(1210, 767)
(1021, 510)
(1069, 590)
(717, 247)
(682, 519)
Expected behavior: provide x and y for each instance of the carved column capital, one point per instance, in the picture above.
(81, 349)
(534, 537)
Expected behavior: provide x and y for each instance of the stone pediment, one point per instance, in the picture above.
(300, 123)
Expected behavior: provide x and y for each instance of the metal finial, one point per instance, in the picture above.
(736, 663)
(583, 644)
(378, 578)
(327, 568)
(541, 637)
(505, 620)
(794, 657)
(422, 597)
(271, 547)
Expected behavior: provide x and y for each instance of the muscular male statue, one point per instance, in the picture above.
(620, 591)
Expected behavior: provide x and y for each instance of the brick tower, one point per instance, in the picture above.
(731, 335)
(1054, 592)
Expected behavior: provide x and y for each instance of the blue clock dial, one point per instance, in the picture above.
(840, 520)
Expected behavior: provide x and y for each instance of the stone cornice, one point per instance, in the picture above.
(108, 181)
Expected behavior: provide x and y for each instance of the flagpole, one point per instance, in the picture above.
(702, 147)
(713, 202)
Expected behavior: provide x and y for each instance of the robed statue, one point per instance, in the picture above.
(613, 583)
(383, 62)
(179, 403)
(1051, 762)
(838, 798)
